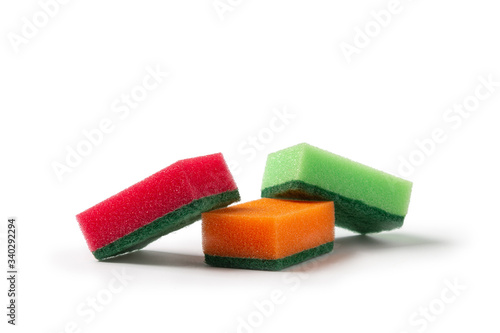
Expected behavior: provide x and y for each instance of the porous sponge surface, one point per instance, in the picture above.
(166, 224)
(339, 175)
(154, 197)
(267, 229)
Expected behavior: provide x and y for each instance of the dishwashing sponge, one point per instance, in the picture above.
(267, 234)
(164, 202)
(366, 200)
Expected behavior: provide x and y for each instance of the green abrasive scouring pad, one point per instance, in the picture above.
(366, 200)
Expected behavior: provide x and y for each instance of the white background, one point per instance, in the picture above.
(227, 77)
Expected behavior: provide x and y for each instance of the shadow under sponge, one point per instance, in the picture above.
(164, 202)
(267, 234)
(366, 200)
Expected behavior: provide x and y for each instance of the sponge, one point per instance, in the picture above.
(267, 234)
(164, 202)
(366, 200)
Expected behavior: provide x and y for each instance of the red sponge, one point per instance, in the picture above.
(164, 202)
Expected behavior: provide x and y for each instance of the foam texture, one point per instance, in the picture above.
(267, 234)
(366, 200)
(166, 201)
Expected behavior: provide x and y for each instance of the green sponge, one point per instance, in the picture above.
(366, 200)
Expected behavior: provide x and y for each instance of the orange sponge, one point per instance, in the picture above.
(268, 234)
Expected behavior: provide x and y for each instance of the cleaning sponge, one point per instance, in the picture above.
(267, 234)
(164, 202)
(366, 200)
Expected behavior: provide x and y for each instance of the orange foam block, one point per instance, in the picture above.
(268, 234)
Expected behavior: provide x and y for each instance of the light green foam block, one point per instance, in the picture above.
(366, 200)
